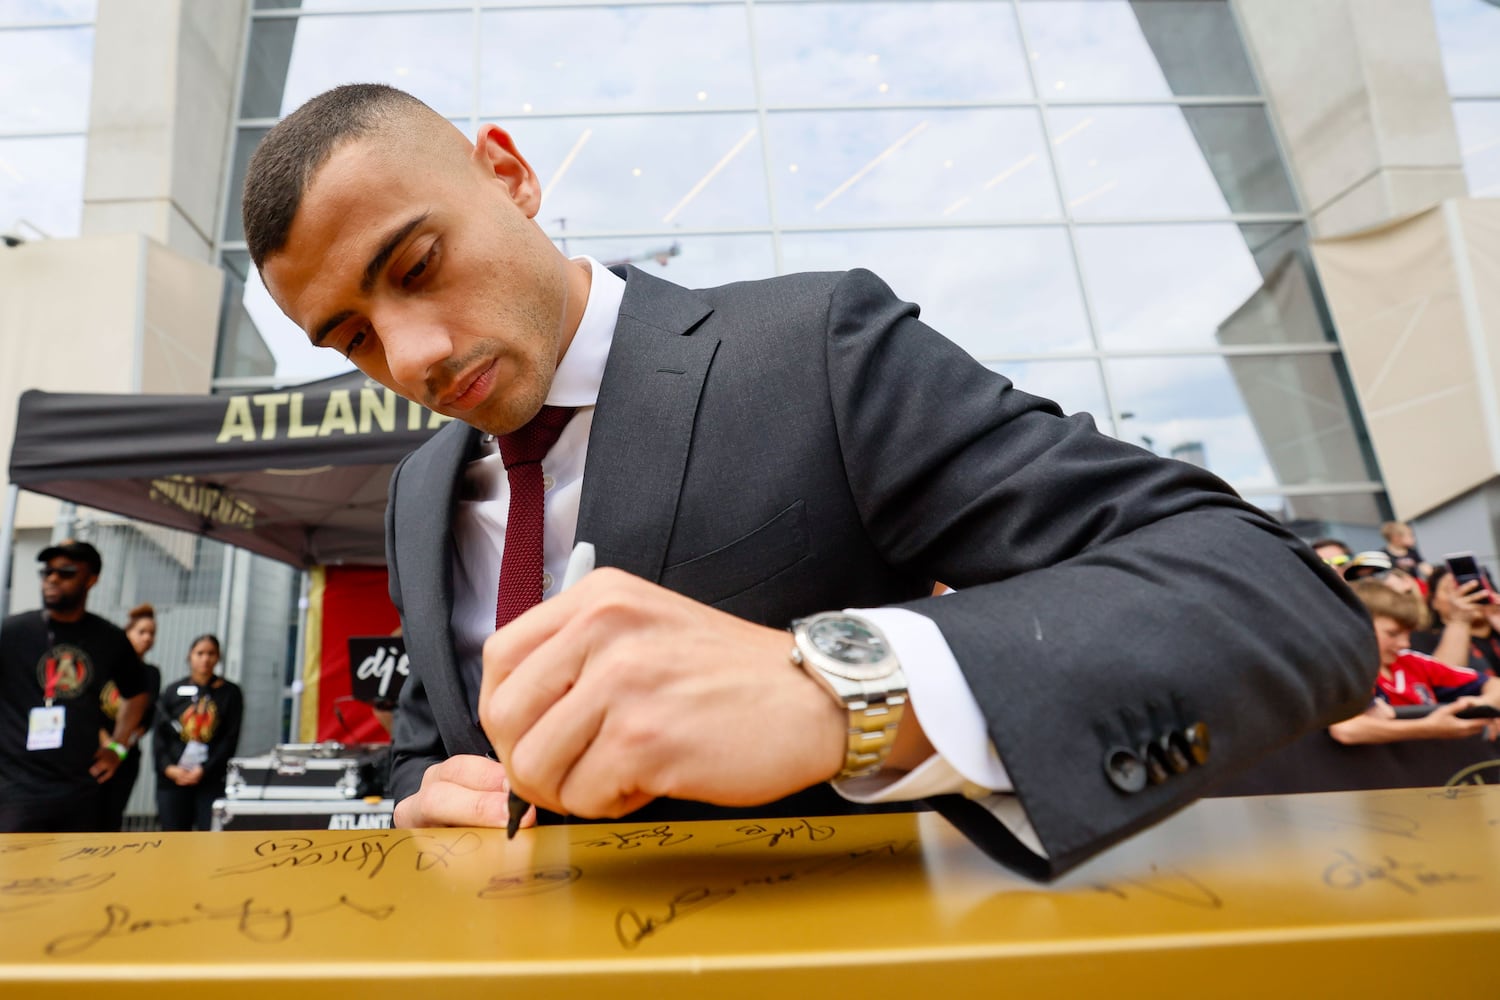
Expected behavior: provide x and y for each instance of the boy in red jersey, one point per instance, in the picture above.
(1411, 678)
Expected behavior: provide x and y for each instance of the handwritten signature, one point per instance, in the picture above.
(662, 834)
(1351, 873)
(259, 923)
(366, 852)
(99, 852)
(45, 886)
(632, 928)
(772, 836)
(1170, 884)
(29, 845)
(532, 882)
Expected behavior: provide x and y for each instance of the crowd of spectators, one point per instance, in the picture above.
(1439, 645)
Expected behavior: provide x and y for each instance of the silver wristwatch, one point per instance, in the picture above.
(851, 659)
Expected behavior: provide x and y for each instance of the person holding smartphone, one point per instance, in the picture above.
(1465, 627)
(1410, 679)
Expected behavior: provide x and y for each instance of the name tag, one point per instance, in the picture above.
(45, 729)
(187, 690)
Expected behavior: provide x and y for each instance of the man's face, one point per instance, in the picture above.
(1392, 638)
(416, 257)
(65, 584)
(1333, 555)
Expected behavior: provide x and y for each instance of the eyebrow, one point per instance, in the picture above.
(372, 271)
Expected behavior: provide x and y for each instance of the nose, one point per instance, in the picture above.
(415, 344)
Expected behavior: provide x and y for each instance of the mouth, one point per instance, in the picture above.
(470, 390)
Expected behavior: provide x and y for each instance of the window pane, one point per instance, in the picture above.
(1145, 48)
(1479, 138)
(1076, 386)
(38, 11)
(991, 291)
(41, 182)
(1199, 285)
(690, 261)
(879, 53)
(646, 172)
(1469, 35)
(1154, 162)
(635, 58)
(1255, 421)
(244, 145)
(876, 166)
(44, 75)
(430, 56)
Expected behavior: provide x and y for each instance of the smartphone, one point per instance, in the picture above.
(1464, 568)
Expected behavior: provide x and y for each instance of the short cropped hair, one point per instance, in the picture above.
(289, 155)
(1390, 529)
(1405, 610)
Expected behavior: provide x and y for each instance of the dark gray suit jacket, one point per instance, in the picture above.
(781, 447)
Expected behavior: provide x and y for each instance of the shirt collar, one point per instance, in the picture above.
(581, 370)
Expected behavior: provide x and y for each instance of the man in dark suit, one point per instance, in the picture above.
(745, 456)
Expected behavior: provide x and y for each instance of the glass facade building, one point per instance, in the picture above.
(1469, 34)
(46, 66)
(1112, 202)
(1087, 195)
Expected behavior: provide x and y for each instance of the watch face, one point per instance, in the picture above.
(856, 650)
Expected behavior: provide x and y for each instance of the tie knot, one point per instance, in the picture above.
(531, 442)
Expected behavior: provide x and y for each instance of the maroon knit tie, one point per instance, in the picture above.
(521, 563)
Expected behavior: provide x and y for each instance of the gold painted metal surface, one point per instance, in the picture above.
(1237, 897)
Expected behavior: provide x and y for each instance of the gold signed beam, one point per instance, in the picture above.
(1232, 897)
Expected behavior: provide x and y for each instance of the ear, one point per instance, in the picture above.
(496, 154)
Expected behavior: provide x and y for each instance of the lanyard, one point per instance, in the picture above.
(50, 691)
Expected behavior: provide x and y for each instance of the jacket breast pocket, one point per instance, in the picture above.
(755, 556)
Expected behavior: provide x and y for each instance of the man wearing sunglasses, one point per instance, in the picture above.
(54, 664)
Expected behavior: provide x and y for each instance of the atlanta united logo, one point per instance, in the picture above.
(68, 669)
(200, 721)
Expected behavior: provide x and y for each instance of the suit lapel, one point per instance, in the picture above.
(426, 547)
(643, 425)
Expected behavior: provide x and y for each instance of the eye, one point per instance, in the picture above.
(414, 275)
(354, 343)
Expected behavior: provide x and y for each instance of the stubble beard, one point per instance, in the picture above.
(63, 602)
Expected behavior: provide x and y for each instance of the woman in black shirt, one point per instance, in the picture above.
(197, 732)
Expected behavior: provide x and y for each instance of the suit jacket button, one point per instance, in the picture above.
(1125, 770)
(1194, 741)
(1156, 766)
(1174, 756)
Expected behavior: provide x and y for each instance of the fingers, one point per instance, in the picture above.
(466, 790)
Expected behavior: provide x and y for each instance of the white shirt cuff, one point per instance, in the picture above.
(966, 762)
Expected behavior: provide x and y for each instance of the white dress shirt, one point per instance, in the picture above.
(966, 760)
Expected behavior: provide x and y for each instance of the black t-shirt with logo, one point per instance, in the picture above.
(81, 657)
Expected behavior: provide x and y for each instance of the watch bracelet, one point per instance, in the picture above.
(869, 744)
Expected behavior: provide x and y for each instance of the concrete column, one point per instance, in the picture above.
(1356, 90)
(160, 115)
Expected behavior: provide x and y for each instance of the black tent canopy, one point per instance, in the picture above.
(296, 474)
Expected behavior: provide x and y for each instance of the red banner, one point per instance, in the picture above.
(356, 601)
